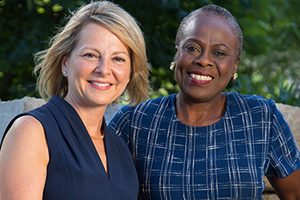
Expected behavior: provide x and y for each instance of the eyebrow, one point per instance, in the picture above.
(121, 52)
(198, 41)
(96, 50)
(221, 44)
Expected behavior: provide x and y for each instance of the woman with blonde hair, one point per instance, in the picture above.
(63, 150)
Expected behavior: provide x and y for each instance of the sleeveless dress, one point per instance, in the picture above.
(75, 170)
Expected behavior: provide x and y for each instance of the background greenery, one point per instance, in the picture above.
(269, 65)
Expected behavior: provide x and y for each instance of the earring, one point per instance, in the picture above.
(172, 66)
(235, 76)
(65, 73)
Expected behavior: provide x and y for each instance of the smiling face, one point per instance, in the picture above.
(206, 58)
(98, 68)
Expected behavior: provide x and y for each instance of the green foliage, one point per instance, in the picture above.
(273, 75)
(26, 27)
(269, 65)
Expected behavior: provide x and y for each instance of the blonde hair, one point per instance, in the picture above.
(50, 80)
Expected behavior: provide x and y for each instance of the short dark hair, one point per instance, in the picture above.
(215, 10)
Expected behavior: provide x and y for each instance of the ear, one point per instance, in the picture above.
(176, 53)
(235, 68)
(64, 68)
(237, 61)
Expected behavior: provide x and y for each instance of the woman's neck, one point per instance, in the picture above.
(92, 117)
(200, 113)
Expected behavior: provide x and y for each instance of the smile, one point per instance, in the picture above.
(101, 84)
(200, 77)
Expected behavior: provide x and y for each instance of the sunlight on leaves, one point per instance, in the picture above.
(40, 10)
(57, 8)
(2, 3)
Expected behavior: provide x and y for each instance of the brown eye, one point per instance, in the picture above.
(192, 48)
(219, 53)
(90, 55)
(119, 59)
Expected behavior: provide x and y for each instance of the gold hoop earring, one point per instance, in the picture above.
(172, 66)
(235, 76)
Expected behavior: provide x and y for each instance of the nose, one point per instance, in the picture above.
(204, 59)
(103, 67)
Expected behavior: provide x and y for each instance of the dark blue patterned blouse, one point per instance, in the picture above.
(225, 160)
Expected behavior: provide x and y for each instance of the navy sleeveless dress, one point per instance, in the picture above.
(75, 170)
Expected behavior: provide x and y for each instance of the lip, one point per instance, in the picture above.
(101, 85)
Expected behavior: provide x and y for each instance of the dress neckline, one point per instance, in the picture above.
(220, 121)
(68, 108)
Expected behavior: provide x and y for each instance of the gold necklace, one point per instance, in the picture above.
(101, 137)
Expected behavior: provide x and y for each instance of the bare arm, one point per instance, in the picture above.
(287, 188)
(23, 161)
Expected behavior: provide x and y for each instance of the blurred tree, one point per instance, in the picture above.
(270, 60)
(25, 29)
(269, 64)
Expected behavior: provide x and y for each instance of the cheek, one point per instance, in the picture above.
(178, 74)
(79, 68)
(184, 60)
(232, 68)
(123, 75)
(85, 68)
(227, 67)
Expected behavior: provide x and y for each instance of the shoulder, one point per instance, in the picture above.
(26, 121)
(52, 114)
(23, 156)
(26, 136)
(114, 139)
(153, 106)
(46, 109)
(129, 116)
(147, 107)
(24, 128)
(250, 102)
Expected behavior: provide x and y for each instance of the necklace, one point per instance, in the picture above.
(101, 137)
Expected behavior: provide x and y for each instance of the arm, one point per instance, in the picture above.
(284, 172)
(287, 188)
(23, 160)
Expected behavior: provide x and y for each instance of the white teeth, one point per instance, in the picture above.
(201, 77)
(101, 84)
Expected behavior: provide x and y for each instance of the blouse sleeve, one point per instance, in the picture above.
(284, 156)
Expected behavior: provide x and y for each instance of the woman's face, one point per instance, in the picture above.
(98, 68)
(206, 58)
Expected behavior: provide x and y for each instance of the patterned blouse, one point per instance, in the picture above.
(224, 160)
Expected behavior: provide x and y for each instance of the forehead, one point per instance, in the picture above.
(98, 35)
(214, 27)
(93, 30)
